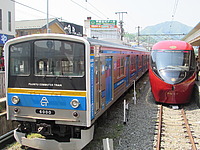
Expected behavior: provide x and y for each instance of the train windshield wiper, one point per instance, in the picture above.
(185, 68)
(167, 67)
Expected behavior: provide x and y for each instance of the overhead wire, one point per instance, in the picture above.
(175, 8)
(58, 17)
(32, 8)
(86, 9)
(98, 10)
(71, 1)
(173, 14)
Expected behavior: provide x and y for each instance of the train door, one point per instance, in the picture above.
(127, 70)
(97, 93)
(108, 71)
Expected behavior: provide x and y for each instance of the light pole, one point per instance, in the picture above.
(138, 35)
(121, 24)
(48, 31)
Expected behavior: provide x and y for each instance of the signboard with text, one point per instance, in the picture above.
(103, 23)
(73, 29)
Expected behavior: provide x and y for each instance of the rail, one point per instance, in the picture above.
(172, 123)
(188, 130)
(6, 136)
(159, 128)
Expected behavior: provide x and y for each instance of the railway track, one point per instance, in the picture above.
(177, 129)
(6, 139)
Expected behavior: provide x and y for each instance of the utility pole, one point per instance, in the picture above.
(138, 35)
(48, 30)
(121, 24)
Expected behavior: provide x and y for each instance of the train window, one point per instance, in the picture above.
(173, 66)
(133, 63)
(192, 61)
(118, 68)
(59, 58)
(20, 59)
(122, 67)
(140, 61)
(171, 59)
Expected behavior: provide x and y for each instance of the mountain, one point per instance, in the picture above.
(167, 27)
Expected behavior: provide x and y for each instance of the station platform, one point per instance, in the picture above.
(198, 83)
(3, 99)
(2, 104)
(196, 92)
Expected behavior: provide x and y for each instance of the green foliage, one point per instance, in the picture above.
(35, 135)
(133, 37)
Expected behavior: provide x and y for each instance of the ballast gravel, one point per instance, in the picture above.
(138, 132)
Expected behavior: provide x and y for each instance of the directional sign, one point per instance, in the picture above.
(103, 23)
(3, 38)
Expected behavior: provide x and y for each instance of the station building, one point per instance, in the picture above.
(7, 22)
(28, 27)
(193, 37)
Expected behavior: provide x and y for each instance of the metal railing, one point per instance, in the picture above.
(2, 84)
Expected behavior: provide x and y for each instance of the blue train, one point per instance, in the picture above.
(58, 85)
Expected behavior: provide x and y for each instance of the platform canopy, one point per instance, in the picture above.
(193, 37)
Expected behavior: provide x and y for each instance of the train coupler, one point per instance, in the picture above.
(44, 129)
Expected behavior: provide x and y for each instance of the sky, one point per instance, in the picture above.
(141, 13)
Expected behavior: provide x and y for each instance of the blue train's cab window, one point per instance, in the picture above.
(20, 59)
(59, 58)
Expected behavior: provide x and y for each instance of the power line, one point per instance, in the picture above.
(53, 15)
(86, 9)
(175, 8)
(32, 8)
(173, 14)
(97, 10)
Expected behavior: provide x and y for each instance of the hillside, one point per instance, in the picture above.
(161, 28)
(167, 27)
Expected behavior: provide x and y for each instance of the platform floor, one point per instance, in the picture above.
(3, 99)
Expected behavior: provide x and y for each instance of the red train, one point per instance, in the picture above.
(172, 72)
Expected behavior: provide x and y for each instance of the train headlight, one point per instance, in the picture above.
(15, 99)
(75, 103)
(173, 79)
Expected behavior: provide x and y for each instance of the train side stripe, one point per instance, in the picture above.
(47, 92)
(47, 101)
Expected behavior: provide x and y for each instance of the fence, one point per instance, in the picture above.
(2, 84)
(6, 125)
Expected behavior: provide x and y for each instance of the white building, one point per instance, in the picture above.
(101, 29)
(7, 22)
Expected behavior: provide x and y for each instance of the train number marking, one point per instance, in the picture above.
(45, 112)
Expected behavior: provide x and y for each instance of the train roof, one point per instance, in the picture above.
(77, 38)
(172, 45)
(115, 45)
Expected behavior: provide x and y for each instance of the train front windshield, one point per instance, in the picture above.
(40, 59)
(173, 66)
